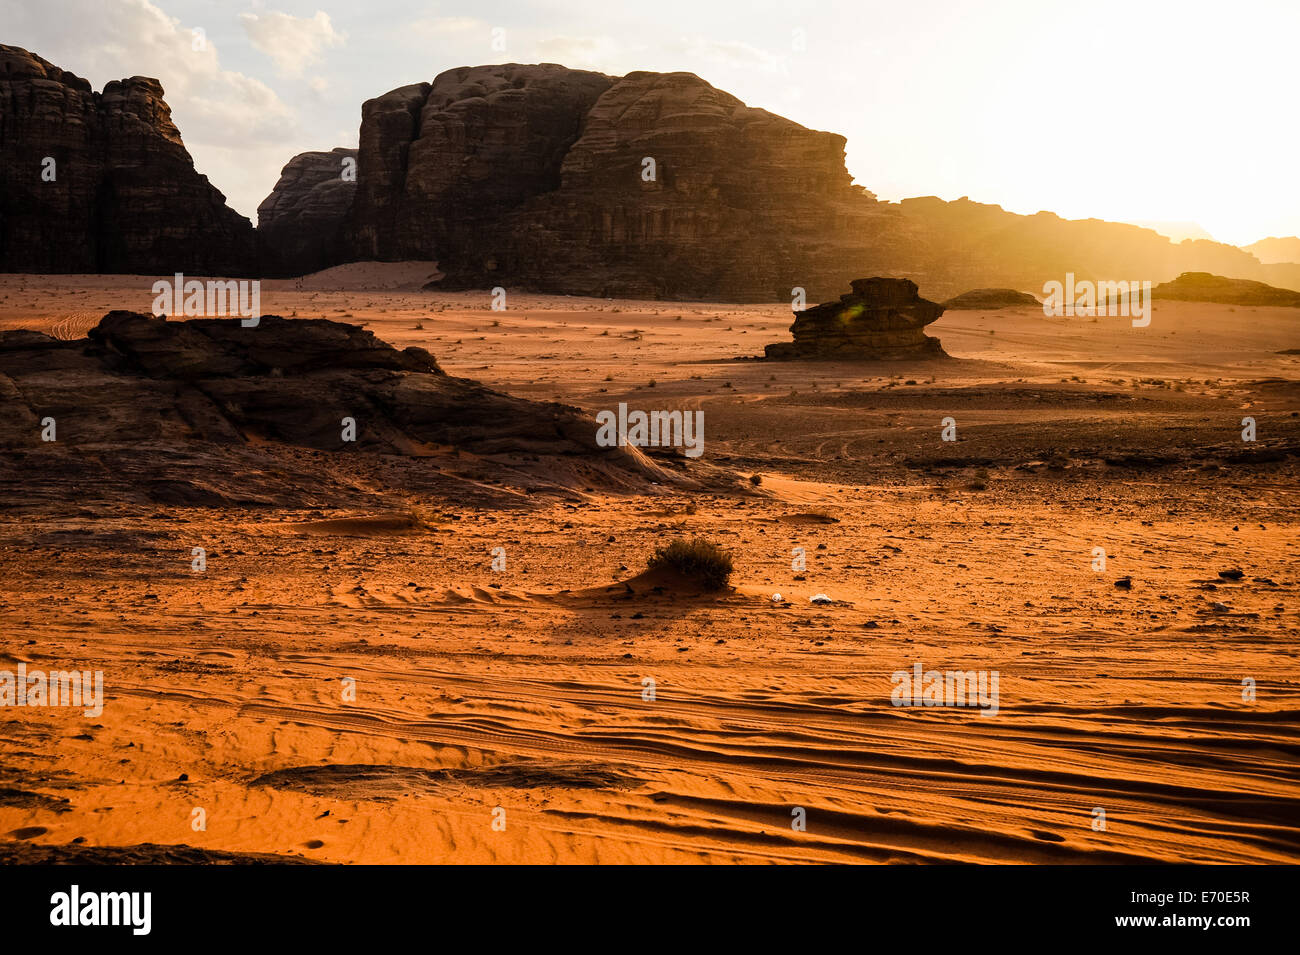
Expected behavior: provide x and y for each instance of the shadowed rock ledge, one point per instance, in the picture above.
(881, 319)
(292, 412)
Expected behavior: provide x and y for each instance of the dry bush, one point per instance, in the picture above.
(699, 560)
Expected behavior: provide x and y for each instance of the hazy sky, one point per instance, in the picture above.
(1179, 110)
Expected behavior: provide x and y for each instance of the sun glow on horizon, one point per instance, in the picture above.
(1126, 110)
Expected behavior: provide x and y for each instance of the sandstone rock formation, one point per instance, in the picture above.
(881, 319)
(441, 164)
(207, 412)
(739, 204)
(1203, 287)
(964, 244)
(990, 298)
(300, 224)
(124, 195)
(536, 177)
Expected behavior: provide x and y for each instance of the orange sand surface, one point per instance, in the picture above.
(503, 716)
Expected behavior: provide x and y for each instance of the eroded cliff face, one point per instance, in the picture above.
(657, 185)
(678, 190)
(121, 194)
(300, 224)
(440, 163)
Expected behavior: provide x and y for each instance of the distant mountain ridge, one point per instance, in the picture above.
(1274, 250)
(1175, 231)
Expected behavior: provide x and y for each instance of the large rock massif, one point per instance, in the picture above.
(442, 165)
(121, 194)
(1274, 250)
(975, 245)
(678, 190)
(300, 224)
(537, 177)
(881, 319)
(654, 185)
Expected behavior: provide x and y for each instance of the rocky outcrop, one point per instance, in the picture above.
(678, 190)
(121, 194)
(300, 224)
(537, 177)
(990, 298)
(1203, 287)
(881, 319)
(440, 164)
(291, 412)
(658, 185)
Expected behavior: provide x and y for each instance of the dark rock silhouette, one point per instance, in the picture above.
(881, 319)
(300, 224)
(537, 177)
(1203, 287)
(121, 195)
(441, 164)
(533, 177)
(990, 298)
(208, 412)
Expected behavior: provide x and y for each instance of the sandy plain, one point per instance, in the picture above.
(502, 716)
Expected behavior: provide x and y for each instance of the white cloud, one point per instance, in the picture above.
(582, 52)
(292, 43)
(733, 54)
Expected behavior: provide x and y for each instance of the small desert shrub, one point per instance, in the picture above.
(700, 560)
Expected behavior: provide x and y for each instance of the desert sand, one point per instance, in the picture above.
(502, 716)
